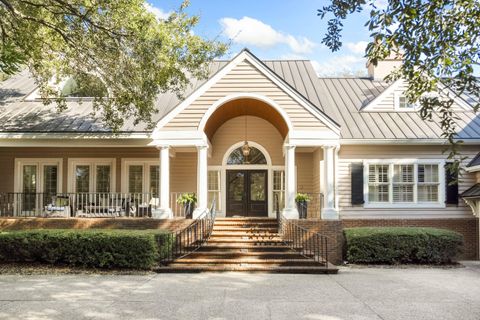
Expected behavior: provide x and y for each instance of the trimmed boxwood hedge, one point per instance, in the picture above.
(402, 245)
(138, 249)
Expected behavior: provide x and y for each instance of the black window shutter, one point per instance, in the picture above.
(451, 189)
(357, 183)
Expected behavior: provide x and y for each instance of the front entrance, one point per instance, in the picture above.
(247, 193)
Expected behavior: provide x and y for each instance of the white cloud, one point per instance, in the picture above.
(158, 12)
(357, 47)
(340, 65)
(250, 31)
(381, 4)
(293, 56)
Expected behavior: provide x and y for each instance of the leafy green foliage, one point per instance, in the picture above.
(134, 54)
(187, 198)
(139, 249)
(302, 197)
(438, 41)
(402, 245)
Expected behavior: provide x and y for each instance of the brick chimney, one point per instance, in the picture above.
(384, 67)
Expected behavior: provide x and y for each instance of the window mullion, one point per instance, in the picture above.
(415, 183)
(390, 181)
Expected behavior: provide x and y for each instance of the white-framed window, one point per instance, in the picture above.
(214, 185)
(91, 175)
(404, 183)
(402, 104)
(278, 187)
(378, 183)
(141, 176)
(38, 180)
(38, 175)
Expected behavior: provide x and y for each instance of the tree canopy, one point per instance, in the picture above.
(133, 54)
(439, 42)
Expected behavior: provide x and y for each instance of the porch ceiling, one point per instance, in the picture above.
(242, 107)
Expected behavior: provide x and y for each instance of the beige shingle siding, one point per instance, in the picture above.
(350, 154)
(244, 78)
(259, 130)
(304, 165)
(183, 172)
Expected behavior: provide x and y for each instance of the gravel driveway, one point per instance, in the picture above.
(355, 293)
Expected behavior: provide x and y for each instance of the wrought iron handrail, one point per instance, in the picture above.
(191, 238)
(308, 243)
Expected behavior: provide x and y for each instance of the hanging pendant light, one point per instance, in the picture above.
(246, 147)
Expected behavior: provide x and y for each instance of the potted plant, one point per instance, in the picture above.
(188, 200)
(302, 200)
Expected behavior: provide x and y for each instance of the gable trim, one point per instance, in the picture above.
(249, 57)
(390, 90)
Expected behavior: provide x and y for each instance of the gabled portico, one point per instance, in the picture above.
(246, 102)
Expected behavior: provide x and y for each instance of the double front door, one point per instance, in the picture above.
(247, 193)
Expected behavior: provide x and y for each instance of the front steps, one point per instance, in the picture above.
(246, 244)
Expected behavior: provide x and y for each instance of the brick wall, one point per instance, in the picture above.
(333, 229)
(92, 223)
(468, 227)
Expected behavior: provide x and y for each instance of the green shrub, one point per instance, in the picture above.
(139, 249)
(402, 245)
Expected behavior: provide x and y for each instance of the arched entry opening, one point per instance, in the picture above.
(246, 183)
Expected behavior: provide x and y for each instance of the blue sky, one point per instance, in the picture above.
(278, 29)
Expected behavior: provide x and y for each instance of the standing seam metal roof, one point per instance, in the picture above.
(339, 98)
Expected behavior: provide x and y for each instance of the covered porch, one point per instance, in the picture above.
(249, 157)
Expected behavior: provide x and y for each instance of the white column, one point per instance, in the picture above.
(290, 211)
(329, 210)
(165, 210)
(202, 181)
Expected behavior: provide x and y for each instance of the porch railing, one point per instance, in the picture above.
(191, 238)
(308, 243)
(97, 204)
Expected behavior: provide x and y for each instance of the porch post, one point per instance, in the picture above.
(290, 211)
(165, 210)
(202, 184)
(329, 211)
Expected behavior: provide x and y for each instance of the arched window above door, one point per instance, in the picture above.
(255, 157)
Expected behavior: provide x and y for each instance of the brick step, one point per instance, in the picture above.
(250, 247)
(247, 222)
(247, 261)
(252, 268)
(245, 229)
(214, 240)
(236, 234)
(237, 253)
(238, 224)
(246, 219)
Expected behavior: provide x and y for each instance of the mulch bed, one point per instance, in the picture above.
(46, 269)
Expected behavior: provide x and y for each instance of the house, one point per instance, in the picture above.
(250, 136)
